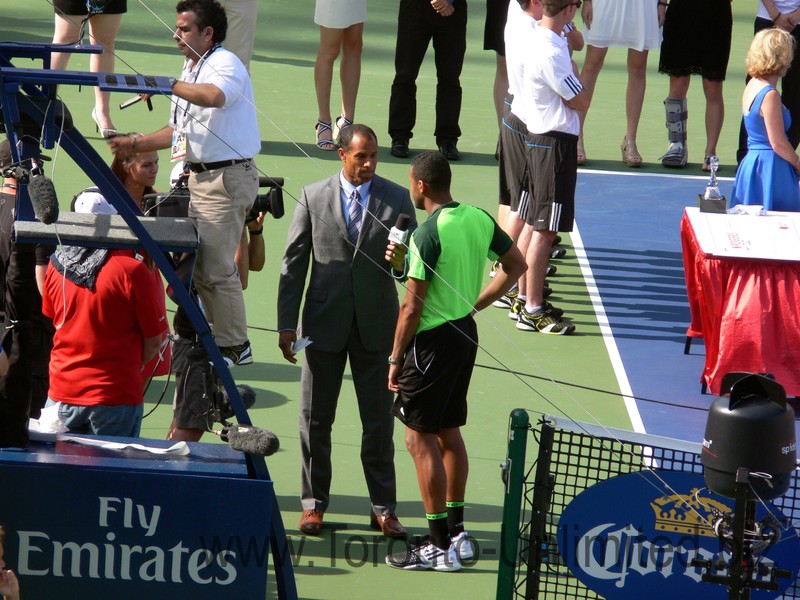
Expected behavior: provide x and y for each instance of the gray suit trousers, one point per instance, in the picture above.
(321, 381)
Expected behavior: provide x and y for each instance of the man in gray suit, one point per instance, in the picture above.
(341, 224)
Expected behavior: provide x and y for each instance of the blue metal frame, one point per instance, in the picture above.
(33, 88)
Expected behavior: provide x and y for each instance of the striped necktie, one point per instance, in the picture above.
(355, 211)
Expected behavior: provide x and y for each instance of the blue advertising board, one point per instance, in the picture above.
(109, 531)
(634, 536)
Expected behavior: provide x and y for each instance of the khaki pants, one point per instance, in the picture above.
(220, 200)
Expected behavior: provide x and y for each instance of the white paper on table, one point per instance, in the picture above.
(301, 344)
(179, 449)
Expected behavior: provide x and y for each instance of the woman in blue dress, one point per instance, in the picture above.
(767, 175)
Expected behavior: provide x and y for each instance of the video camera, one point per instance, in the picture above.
(175, 203)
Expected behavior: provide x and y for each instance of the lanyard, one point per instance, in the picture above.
(200, 64)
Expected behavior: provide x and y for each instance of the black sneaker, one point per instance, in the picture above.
(547, 291)
(556, 240)
(551, 270)
(558, 253)
(426, 557)
(399, 148)
(546, 320)
(237, 355)
(507, 299)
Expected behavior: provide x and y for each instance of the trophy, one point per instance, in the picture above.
(712, 199)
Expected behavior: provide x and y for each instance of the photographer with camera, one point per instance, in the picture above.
(198, 402)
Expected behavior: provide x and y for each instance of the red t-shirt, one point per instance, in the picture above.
(97, 349)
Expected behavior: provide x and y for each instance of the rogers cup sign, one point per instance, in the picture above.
(634, 536)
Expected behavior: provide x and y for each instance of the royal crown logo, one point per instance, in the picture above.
(687, 513)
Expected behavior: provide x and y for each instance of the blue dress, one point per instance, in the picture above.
(764, 177)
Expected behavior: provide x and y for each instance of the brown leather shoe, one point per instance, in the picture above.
(388, 524)
(311, 522)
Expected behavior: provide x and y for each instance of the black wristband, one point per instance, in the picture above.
(258, 231)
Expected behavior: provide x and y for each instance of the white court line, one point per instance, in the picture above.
(646, 174)
(605, 329)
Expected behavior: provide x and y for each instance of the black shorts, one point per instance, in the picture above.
(190, 408)
(553, 167)
(514, 161)
(495, 26)
(78, 7)
(436, 375)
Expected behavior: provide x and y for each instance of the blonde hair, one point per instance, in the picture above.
(771, 52)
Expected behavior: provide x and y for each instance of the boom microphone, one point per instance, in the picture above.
(43, 198)
(399, 233)
(252, 440)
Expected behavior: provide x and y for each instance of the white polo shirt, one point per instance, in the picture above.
(548, 81)
(517, 35)
(782, 6)
(225, 133)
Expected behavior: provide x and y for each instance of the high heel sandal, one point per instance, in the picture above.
(320, 128)
(103, 131)
(341, 124)
(581, 152)
(706, 167)
(630, 154)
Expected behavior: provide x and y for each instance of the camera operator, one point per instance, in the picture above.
(213, 125)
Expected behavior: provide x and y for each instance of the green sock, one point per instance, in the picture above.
(455, 517)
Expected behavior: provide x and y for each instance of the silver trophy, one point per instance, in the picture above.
(712, 199)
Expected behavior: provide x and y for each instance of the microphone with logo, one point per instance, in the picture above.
(253, 440)
(43, 197)
(399, 233)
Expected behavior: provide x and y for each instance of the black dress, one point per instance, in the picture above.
(494, 29)
(697, 39)
(78, 7)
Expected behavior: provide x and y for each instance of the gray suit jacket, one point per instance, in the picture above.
(346, 286)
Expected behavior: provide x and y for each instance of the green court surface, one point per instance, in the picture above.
(347, 560)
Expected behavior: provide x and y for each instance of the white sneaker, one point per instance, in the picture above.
(463, 546)
(426, 556)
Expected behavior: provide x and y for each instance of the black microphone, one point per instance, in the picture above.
(254, 440)
(43, 198)
(399, 233)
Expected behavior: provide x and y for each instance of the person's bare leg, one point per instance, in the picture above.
(634, 96)
(431, 473)
(330, 43)
(103, 32)
(67, 28)
(715, 114)
(179, 434)
(538, 257)
(523, 243)
(591, 70)
(456, 462)
(503, 213)
(350, 68)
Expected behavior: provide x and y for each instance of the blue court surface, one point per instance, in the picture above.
(629, 227)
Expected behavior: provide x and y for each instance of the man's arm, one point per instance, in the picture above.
(407, 323)
(513, 267)
(294, 269)
(150, 348)
(199, 94)
(158, 140)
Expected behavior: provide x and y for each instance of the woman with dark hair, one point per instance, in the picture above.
(767, 175)
(103, 28)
